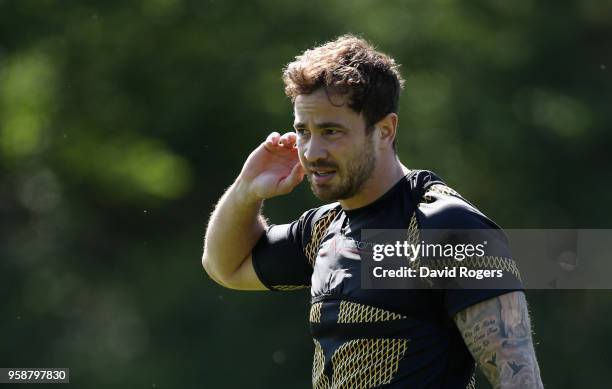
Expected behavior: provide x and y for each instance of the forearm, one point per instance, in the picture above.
(498, 334)
(233, 230)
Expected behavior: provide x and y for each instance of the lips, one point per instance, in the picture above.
(322, 176)
(321, 172)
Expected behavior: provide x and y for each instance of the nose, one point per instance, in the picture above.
(314, 149)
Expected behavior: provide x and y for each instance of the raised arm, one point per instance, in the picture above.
(498, 334)
(236, 224)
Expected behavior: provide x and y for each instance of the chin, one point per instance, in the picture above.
(329, 193)
(324, 195)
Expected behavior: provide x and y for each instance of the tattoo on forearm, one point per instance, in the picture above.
(498, 334)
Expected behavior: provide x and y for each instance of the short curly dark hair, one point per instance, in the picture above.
(348, 65)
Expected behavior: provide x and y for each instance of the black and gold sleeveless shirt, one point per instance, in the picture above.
(377, 338)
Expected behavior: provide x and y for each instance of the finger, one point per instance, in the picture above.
(272, 139)
(292, 180)
(288, 140)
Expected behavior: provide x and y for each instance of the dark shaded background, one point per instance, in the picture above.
(121, 123)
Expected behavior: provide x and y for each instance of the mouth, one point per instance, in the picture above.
(322, 176)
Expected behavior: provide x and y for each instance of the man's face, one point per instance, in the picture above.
(333, 147)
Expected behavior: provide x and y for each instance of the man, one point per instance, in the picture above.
(345, 96)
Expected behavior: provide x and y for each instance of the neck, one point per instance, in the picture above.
(385, 175)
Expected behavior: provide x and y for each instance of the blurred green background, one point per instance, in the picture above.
(121, 123)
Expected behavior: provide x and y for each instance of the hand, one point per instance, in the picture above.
(273, 168)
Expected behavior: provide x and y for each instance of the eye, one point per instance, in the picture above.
(302, 132)
(331, 131)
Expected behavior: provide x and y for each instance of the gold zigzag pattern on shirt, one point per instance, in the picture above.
(365, 363)
(413, 238)
(472, 383)
(359, 363)
(441, 189)
(318, 232)
(351, 312)
(413, 230)
(319, 379)
(284, 288)
(315, 312)
(362, 364)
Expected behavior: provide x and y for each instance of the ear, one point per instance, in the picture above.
(387, 129)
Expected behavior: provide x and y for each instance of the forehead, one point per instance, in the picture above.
(318, 107)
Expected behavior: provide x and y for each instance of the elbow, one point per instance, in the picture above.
(223, 279)
(206, 264)
(209, 269)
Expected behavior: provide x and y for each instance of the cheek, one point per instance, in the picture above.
(350, 159)
(347, 155)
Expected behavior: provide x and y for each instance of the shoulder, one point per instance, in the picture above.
(441, 206)
(442, 214)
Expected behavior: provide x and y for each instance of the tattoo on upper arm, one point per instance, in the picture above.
(498, 334)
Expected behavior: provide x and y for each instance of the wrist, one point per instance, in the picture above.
(244, 195)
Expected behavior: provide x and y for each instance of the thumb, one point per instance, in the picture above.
(296, 176)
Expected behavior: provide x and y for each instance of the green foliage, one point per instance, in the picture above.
(121, 123)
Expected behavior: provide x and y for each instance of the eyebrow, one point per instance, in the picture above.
(298, 126)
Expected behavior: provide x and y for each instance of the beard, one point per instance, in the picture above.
(350, 178)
